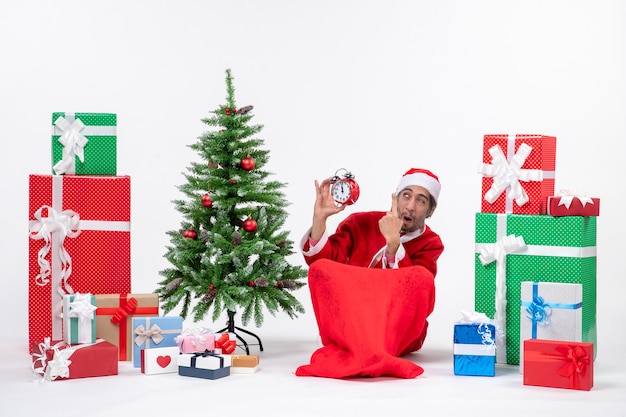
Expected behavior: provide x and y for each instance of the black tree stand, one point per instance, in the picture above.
(230, 328)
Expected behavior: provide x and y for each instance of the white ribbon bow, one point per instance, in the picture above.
(82, 308)
(497, 252)
(58, 366)
(63, 224)
(507, 175)
(567, 196)
(143, 334)
(73, 142)
(199, 336)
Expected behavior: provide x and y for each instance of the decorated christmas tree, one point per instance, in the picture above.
(230, 254)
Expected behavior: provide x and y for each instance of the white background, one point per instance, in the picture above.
(376, 87)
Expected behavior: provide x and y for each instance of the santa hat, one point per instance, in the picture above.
(422, 178)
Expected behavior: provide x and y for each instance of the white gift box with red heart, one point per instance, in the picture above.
(160, 360)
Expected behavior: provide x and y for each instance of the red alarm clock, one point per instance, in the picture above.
(344, 190)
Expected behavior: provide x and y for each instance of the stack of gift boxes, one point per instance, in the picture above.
(535, 265)
(83, 318)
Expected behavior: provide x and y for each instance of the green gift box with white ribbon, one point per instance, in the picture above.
(84, 143)
(513, 248)
(79, 318)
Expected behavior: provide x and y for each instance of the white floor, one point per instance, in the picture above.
(275, 390)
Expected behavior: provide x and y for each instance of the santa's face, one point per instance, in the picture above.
(413, 207)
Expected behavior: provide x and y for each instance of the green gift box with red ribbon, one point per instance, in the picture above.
(114, 318)
(79, 242)
(512, 248)
(84, 143)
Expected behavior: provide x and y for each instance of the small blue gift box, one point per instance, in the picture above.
(474, 349)
(151, 332)
(205, 365)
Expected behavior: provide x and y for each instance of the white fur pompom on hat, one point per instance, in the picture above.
(422, 178)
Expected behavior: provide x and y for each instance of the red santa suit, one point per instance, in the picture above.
(370, 312)
(358, 242)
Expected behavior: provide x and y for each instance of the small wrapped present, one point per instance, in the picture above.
(225, 343)
(558, 364)
(159, 360)
(193, 340)
(79, 320)
(115, 314)
(550, 311)
(79, 242)
(518, 173)
(55, 360)
(205, 365)
(84, 143)
(572, 203)
(475, 346)
(151, 332)
(243, 364)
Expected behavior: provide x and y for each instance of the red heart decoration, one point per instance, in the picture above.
(163, 361)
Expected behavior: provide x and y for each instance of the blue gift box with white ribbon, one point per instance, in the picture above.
(474, 349)
(550, 311)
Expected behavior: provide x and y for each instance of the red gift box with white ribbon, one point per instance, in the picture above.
(573, 203)
(518, 173)
(56, 360)
(79, 242)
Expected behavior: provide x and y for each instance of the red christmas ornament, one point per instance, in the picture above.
(251, 283)
(232, 181)
(206, 200)
(211, 287)
(190, 234)
(247, 163)
(249, 225)
(279, 284)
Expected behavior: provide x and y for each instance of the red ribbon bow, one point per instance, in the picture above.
(577, 360)
(228, 346)
(124, 311)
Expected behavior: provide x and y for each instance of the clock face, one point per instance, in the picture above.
(341, 191)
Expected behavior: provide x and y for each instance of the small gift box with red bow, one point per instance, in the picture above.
(57, 360)
(159, 360)
(151, 332)
(225, 343)
(207, 365)
(572, 203)
(558, 364)
(114, 317)
(79, 319)
(193, 340)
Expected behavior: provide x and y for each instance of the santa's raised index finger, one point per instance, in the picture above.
(394, 205)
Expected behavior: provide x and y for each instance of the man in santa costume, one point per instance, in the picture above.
(374, 241)
(392, 239)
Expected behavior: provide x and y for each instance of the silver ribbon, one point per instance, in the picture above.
(143, 334)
